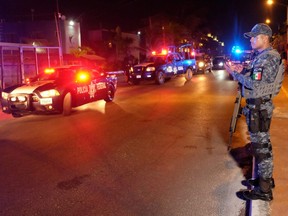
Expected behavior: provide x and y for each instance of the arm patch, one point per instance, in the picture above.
(257, 74)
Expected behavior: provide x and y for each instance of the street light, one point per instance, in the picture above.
(267, 21)
(270, 2)
(139, 41)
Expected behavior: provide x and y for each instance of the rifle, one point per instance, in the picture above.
(236, 114)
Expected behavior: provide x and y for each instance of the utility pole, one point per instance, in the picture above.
(58, 31)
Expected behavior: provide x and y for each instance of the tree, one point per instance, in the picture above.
(81, 51)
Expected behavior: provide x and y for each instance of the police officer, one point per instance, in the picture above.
(254, 79)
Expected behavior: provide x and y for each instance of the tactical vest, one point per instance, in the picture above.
(267, 89)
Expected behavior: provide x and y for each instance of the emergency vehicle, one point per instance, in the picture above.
(58, 90)
(161, 67)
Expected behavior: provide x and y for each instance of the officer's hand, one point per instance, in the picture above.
(230, 67)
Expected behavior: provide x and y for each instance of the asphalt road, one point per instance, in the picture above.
(156, 150)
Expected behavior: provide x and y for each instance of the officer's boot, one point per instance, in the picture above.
(263, 192)
(255, 182)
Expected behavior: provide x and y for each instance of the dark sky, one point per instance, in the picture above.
(228, 19)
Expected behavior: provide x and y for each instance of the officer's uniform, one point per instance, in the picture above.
(262, 71)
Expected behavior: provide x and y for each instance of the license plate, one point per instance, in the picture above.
(138, 76)
(45, 101)
(149, 75)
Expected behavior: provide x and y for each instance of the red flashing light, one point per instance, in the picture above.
(82, 76)
(49, 70)
(164, 52)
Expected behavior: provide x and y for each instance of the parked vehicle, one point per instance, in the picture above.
(58, 90)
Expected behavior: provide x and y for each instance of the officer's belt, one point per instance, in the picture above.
(257, 101)
(262, 146)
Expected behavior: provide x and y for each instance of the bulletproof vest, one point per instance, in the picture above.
(267, 89)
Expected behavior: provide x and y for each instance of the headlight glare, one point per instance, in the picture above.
(21, 98)
(150, 69)
(201, 64)
(5, 95)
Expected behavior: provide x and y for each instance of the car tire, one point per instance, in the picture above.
(67, 104)
(110, 93)
(188, 74)
(160, 78)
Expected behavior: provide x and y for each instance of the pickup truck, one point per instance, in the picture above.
(161, 68)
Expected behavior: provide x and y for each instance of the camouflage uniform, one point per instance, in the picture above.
(258, 111)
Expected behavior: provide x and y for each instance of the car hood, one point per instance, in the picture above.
(30, 88)
(145, 64)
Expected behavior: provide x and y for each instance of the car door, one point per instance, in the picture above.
(84, 86)
(170, 65)
(99, 85)
(179, 63)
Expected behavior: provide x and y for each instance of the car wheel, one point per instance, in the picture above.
(188, 74)
(160, 78)
(110, 94)
(67, 104)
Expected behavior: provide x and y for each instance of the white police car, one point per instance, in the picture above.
(58, 90)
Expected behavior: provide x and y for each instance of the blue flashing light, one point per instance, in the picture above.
(237, 50)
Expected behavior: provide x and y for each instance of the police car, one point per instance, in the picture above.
(161, 67)
(58, 90)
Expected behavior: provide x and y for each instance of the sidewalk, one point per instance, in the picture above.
(279, 134)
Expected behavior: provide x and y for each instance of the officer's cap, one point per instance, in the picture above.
(260, 28)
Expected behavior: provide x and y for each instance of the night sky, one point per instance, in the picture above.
(226, 19)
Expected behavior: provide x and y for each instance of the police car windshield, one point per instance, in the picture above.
(59, 74)
(159, 59)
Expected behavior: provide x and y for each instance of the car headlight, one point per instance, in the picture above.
(50, 93)
(150, 69)
(201, 64)
(5, 95)
(221, 64)
(130, 69)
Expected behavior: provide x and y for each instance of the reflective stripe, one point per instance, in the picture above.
(28, 89)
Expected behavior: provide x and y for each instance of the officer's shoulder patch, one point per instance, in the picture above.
(257, 73)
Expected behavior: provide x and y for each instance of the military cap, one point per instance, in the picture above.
(260, 28)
